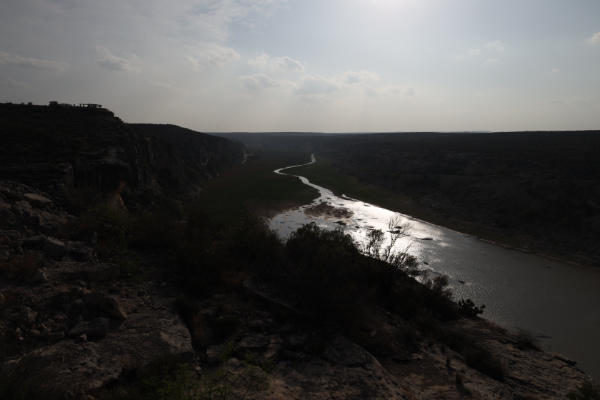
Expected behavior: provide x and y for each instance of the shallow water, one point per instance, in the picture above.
(558, 302)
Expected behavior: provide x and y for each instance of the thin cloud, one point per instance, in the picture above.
(166, 86)
(277, 65)
(261, 61)
(594, 39)
(316, 85)
(576, 102)
(358, 77)
(32, 63)
(391, 91)
(112, 62)
(214, 56)
(258, 82)
(14, 84)
(287, 64)
(490, 50)
(495, 46)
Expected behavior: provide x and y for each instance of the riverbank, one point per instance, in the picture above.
(253, 187)
(324, 173)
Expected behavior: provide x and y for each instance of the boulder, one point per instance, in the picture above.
(93, 299)
(40, 278)
(34, 242)
(214, 354)
(79, 251)
(7, 216)
(37, 200)
(112, 307)
(95, 272)
(95, 329)
(54, 248)
(253, 342)
(26, 316)
(345, 352)
(21, 208)
(35, 220)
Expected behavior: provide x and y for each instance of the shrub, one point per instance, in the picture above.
(113, 226)
(254, 243)
(527, 339)
(198, 266)
(483, 361)
(437, 297)
(468, 309)
(166, 377)
(170, 377)
(157, 229)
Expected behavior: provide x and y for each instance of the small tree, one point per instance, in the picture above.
(374, 246)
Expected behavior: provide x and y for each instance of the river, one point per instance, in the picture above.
(558, 302)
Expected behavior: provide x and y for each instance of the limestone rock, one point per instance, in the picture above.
(344, 352)
(95, 272)
(54, 248)
(79, 251)
(21, 208)
(34, 242)
(26, 316)
(96, 328)
(35, 220)
(272, 353)
(40, 278)
(253, 342)
(296, 341)
(113, 308)
(214, 353)
(37, 200)
(317, 378)
(93, 299)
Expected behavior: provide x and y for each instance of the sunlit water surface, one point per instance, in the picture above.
(558, 302)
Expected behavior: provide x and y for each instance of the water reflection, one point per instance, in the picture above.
(556, 301)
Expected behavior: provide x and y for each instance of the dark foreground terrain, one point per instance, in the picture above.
(116, 284)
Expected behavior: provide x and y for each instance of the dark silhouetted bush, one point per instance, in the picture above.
(467, 308)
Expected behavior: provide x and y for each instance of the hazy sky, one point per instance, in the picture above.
(311, 65)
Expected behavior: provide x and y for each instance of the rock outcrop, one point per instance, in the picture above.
(58, 303)
(71, 151)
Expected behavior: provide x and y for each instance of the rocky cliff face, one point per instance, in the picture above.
(202, 154)
(58, 303)
(66, 149)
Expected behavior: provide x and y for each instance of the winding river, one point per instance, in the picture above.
(558, 302)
